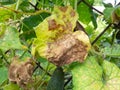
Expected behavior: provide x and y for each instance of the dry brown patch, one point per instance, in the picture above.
(52, 24)
(63, 9)
(21, 72)
(66, 50)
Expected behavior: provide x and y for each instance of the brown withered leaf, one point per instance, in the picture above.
(72, 13)
(20, 72)
(66, 50)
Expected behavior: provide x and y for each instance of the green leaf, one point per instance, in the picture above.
(26, 7)
(116, 61)
(113, 51)
(94, 19)
(57, 80)
(85, 12)
(107, 14)
(5, 14)
(10, 40)
(7, 2)
(107, 5)
(92, 76)
(49, 3)
(57, 2)
(2, 29)
(11, 86)
(3, 74)
(29, 23)
(98, 2)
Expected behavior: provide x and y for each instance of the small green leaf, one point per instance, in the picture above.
(85, 12)
(92, 76)
(10, 39)
(3, 74)
(113, 51)
(107, 14)
(29, 23)
(26, 7)
(11, 86)
(7, 2)
(57, 80)
(107, 5)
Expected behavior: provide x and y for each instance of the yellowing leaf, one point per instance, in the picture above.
(10, 39)
(63, 19)
(91, 76)
(56, 39)
(11, 86)
(5, 14)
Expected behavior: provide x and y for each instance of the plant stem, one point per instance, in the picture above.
(37, 5)
(75, 5)
(16, 8)
(17, 5)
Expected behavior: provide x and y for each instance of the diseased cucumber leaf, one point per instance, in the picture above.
(62, 21)
(92, 76)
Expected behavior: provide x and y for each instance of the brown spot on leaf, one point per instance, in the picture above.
(66, 50)
(21, 72)
(64, 16)
(69, 26)
(72, 13)
(63, 9)
(52, 24)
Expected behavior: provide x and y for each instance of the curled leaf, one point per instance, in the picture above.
(68, 49)
(56, 39)
(20, 72)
